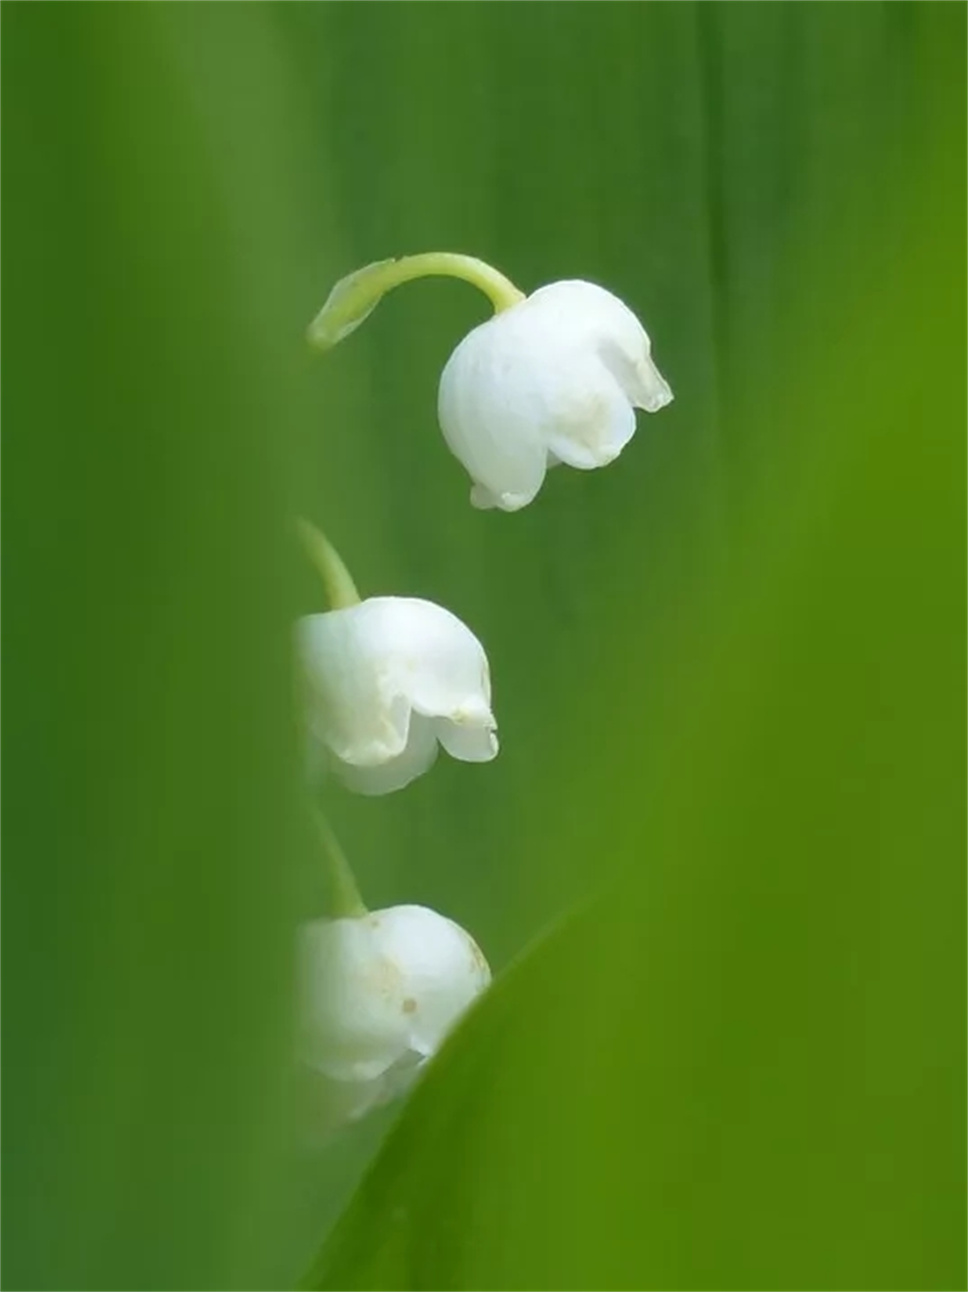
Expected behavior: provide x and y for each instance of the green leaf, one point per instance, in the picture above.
(151, 828)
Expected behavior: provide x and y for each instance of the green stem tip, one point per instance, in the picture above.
(340, 588)
(344, 896)
(355, 297)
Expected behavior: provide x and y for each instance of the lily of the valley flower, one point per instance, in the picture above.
(553, 377)
(386, 681)
(378, 995)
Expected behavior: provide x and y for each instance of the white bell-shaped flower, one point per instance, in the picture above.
(378, 995)
(556, 377)
(385, 680)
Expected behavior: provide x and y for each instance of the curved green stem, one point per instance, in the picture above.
(344, 895)
(340, 588)
(356, 296)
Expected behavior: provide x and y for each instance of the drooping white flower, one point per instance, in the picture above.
(378, 994)
(385, 680)
(554, 378)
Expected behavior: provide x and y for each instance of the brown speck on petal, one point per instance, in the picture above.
(410, 1005)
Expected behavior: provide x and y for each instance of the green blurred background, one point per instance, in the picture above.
(729, 670)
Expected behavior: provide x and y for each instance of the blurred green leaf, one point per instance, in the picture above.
(151, 829)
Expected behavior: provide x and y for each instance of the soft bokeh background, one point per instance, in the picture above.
(729, 670)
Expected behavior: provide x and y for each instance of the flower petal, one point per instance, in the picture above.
(592, 319)
(353, 1024)
(471, 739)
(594, 418)
(418, 756)
(345, 702)
(377, 672)
(487, 415)
(429, 657)
(649, 390)
(442, 966)
(560, 372)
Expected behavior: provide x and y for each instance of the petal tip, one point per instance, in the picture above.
(482, 498)
(655, 392)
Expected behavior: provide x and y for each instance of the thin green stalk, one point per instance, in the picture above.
(340, 588)
(356, 296)
(344, 895)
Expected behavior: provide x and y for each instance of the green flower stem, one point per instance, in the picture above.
(344, 895)
(340, 588)
(356, 296)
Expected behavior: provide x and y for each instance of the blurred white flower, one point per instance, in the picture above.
(378, 994)
(385, 680)
(554, 378)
